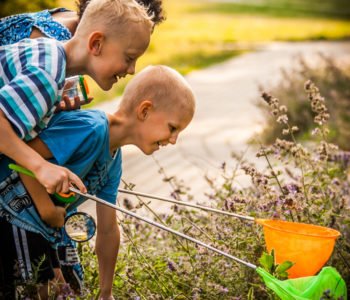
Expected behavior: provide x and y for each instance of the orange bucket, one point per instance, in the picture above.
(308, 246)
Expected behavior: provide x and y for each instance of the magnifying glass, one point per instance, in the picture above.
(80, 227)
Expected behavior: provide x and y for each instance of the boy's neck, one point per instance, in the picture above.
(75, 64)
(119, 131)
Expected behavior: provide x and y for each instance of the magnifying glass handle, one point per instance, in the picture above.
(62, 197)
(65, 198)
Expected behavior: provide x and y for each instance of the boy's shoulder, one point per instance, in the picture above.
(30, 54)
(45, 47)
(33, 44)
(83, 117)
(88, 122)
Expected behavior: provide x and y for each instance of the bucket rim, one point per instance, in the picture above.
(332, 233)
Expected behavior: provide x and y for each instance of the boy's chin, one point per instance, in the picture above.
(148, 151)
(106, 86)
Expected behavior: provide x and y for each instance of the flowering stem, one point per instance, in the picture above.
(276, 178)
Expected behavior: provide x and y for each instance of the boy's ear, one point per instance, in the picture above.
(143, 109)
(96, 40)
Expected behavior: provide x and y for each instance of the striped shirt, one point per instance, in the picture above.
(32, 75)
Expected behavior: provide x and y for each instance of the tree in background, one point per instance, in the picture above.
(10, 7)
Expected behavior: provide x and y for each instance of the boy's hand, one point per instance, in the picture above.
(57, 179)
(55, 218)
(71, 104)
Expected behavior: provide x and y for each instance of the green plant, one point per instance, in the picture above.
(268, 262)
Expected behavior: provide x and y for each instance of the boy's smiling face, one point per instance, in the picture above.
(115, 57)
(160, 127)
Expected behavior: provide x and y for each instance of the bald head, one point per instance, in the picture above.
(165, 87)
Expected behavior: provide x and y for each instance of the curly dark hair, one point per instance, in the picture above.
(154, 9)
(81, 6)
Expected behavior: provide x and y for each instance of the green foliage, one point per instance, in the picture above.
(333, 82)
(268, 262)
(11, 7)
(337, 9)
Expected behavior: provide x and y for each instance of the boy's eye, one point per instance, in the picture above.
(172, 128)
(129, 59)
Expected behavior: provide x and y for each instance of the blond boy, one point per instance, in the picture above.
(156, 107)
(111, 36)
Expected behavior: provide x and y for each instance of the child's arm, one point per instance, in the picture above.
(53, 178)
(49, 213)
(107, 246)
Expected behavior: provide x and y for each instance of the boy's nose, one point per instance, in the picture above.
(131, 68)
(173, 139)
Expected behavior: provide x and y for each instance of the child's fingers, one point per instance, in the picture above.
(76, 102)
(67, 102)
(57, 179)
(64, 187)
(53, 188)
(89, 99)
(63, 105)
(76, 181)
(60, 106)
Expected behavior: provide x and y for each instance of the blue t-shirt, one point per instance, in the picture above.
(78, 140)
(18, 27)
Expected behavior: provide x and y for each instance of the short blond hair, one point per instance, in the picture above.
(111, 16)
(164, 86)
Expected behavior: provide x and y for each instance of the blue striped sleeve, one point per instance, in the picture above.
(33, 75)
(28, 98)
(52, 58)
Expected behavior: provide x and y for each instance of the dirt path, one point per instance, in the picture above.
(225, 118)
